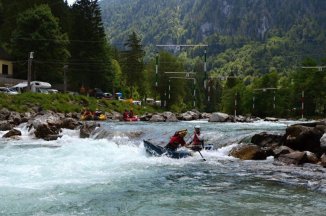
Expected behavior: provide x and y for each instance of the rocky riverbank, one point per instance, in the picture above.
(301, 143)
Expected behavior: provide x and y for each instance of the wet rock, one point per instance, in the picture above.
(52, 137)
(311, 157)
(188, 116)
(70, 123)
(303, 138)
(43, 131)
(267, 140)
(282, 150)
(323, 160)
(87, 128)
(295, 158)
(146, 117)
(12, 132)
(248, 152)
(323, 142)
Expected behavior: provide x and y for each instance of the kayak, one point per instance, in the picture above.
(157, 151)
(101, 117)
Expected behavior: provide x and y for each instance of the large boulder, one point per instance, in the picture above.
(303, 138)
(169, 117)
(248, 152)
(189, 115)
(157, 118)
(5, 125)
(47, 131)
(219, 117)
(267, 140)
(296, 158)
(323, 142)
(14, 118)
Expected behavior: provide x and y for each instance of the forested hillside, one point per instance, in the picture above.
(251, 37)
(254, 63)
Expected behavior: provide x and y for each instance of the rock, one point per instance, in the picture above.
(12, 132)
(323, 142)
(295, 158)
(219, 117)
(188, 116)
(303, 138)
(70, 123)
(248, 152)
(282, 150)
(206, 115)
(323, 160)
(5, 125)
(146, 117)
(267, 140)
(157, 118)
(170, 117)
(87, 128)
(46, 130)
(14, 118)
(4, 114)
(271, 119)
(52, 137)
(311, 157)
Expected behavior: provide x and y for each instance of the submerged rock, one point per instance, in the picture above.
(12, 132)
(295, 158)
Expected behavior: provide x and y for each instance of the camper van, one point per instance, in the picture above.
(36, 86)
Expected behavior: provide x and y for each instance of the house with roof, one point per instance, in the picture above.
(6, 64)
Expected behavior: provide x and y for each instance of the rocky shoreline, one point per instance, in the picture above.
(301, 143)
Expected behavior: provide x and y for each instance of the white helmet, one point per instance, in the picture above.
(197, 127)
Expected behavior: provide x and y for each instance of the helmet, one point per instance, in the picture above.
(183, 132)
(197, 127)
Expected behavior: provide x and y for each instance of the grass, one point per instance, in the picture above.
(66, 103)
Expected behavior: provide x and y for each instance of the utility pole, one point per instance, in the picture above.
(156, 76)
(302, 104)
(235, 105)
(65, 68)
(29, 72)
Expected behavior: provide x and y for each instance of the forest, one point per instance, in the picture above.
(263, 58)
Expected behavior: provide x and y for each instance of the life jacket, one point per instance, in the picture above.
(174, 143)
(196, 140)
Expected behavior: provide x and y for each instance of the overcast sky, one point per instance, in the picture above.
(70, 2)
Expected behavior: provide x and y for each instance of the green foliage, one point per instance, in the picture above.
(90, 63)
(66, 103)
(38, 31)
(133, 64)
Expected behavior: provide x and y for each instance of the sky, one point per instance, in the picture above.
(70, 2)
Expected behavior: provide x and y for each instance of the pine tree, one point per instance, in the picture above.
(90, 64)
(133, 62)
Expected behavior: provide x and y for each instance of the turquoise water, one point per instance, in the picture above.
(111, 174)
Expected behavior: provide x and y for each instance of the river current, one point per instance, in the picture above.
(111, 174)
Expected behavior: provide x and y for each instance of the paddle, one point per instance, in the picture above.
(201, 155)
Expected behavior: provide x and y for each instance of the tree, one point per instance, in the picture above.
(38, 31)
(90, 63)
(133, 64)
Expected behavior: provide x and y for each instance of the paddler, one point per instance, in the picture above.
(197, 140)
(177, 140)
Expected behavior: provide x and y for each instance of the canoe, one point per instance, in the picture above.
(157, 151)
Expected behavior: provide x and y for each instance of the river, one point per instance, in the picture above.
(111, 174)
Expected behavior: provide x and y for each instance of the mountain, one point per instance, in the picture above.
(230, 27)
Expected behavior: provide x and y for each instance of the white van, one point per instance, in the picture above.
(36, 86)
